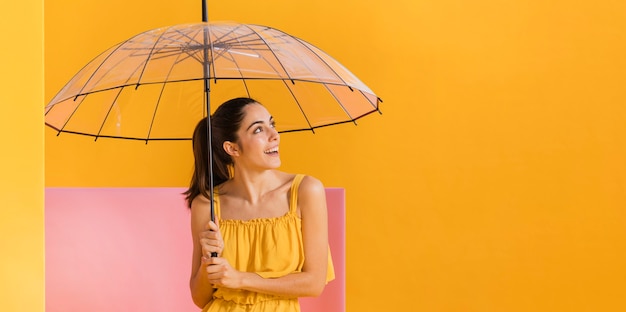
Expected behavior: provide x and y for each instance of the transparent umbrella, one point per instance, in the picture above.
(154, 86)
(158, 84)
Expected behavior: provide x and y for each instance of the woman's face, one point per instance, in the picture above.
(258, 139)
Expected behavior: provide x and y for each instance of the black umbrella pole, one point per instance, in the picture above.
(210, 153)
(205, 11)
(207, 94)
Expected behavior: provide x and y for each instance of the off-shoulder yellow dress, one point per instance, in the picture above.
(270, 247)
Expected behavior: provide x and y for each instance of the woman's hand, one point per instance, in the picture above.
(221, 274)
(211, 240)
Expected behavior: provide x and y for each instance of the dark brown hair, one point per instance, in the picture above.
(225, 122)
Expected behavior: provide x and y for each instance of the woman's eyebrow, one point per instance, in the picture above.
(254, 123)
(259, 122)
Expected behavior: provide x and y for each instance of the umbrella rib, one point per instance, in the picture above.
(84, 96)
(299, 106)
(102, 63)
(292, 80)
(73, 112)
(243, 79)
(188, 139)
(307, 45)
(227, 45)
(116, 66)
(272, 51)
(319, 78)
(191, 52)
(109, 112)
(150, 53)
(114, 101)
(343, 107)
(374, 105)
(254, 41)
(237, 39)
(285, 70)
(326, 125)
(117, 137)
(95, 58)
(217, 41)
(156, 108)
(234, 59)
(80, 93)
(195, 79)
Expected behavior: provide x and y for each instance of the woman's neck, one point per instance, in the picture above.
(252, 186)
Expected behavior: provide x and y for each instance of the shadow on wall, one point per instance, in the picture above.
(129, 249)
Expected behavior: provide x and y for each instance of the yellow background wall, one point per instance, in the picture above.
(495, 180)
(22, 158)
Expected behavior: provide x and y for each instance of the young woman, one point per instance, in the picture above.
(271, 232)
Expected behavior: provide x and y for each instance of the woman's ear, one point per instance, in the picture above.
(231, 148)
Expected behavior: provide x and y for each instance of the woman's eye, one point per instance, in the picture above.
(257, 130)
(273, 124)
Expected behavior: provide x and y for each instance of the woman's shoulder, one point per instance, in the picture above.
(311, 196)
(200, 212)
(200, 202)
(307, 182)
(310, 185)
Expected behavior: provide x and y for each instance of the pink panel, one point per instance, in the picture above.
(117, 250)
(129, 249)
(333, 299)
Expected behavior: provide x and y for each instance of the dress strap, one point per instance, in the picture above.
(293, 198)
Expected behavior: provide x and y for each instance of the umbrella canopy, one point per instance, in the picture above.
(154, 85)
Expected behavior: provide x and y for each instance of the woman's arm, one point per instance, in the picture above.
(308, 283)
(206, 238)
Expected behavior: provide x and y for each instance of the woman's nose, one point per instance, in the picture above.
(274, 135)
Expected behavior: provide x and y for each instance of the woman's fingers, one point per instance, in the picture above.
(212, 226)
(215, 262)
(211, 240)
(213, 244)
(219, 272)
(209, 249)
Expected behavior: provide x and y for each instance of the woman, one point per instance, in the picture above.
(271, 234)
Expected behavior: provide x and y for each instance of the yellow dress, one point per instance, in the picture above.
(270, 247)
